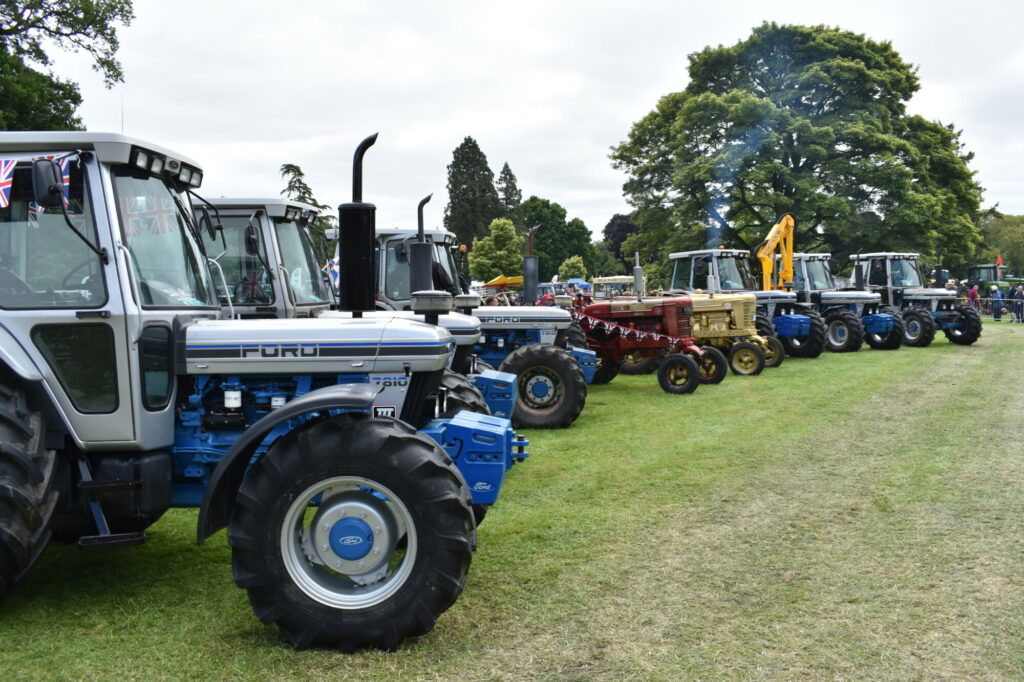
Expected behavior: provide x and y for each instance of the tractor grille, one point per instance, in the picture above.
(745, 313)
(685, 326)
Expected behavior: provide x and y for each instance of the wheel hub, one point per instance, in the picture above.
(837, 332)
(540, 390)
(353, 533)
(351, 538)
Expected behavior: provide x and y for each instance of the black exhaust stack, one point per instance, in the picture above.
(531, 269)
(357, 223)
(421, 256)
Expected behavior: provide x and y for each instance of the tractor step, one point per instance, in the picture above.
(111, 540)
(108, 486)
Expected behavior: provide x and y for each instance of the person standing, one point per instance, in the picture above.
(997, 304)
(972, 297)
(1018, 303)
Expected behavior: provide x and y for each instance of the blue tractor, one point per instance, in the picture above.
(349, 505)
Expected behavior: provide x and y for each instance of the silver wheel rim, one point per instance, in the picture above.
(333, 580)
(837, 332)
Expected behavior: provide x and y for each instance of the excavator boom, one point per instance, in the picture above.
(779, 237)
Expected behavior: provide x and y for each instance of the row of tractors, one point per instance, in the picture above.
(158, 350)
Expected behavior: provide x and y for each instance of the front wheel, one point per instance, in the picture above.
(352, 533)
(746, 359)
(607, 369)
(461, 395)
(969, 330)
(894, 338)
(844, 332)
(678, 373)
(552, 388)
(813, 344)
(918, 327)
(713, 365)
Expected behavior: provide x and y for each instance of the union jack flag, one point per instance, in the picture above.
(6, 179)
(250, 287)
(160, 215)
(33, 214)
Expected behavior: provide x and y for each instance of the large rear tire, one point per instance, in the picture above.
(462, 395)
(970, 327)
(892, 340)
(764, 324)
(713, 366)
(606, 370)
(352, 533)
(918, 327)
(844, 332)
(27, 498)
(638, 362)
(551, 387)
(575, 338)
(678, 374)
(813, 344)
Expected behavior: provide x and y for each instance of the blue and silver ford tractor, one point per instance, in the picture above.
(897, 279)
(797, 325)
(124, 393)
(538, 344)
(852, 315)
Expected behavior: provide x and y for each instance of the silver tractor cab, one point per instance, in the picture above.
(780, 313)
(897, 279)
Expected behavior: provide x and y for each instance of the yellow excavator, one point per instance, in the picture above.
(780, 238)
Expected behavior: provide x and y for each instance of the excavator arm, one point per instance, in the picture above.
(779, 237)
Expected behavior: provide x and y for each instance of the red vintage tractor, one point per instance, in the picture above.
(618, 328)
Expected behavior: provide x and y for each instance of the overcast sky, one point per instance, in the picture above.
(549, 87)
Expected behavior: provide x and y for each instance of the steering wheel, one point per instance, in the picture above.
(13, 283)
(64, 283)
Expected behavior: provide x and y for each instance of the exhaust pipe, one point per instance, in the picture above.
(357, 223)
(531, 269)
(421, 259)
(638, 277)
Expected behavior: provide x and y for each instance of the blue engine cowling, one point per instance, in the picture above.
(221, 409)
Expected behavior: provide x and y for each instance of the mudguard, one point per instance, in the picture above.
(226, 479)
(15, 357)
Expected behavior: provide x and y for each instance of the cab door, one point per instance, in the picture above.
(59, 300)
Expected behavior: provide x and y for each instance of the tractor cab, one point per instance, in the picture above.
(270, 256)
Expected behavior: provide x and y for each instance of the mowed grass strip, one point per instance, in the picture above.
(856, 515)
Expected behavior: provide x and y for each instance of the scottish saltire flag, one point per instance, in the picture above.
(6, 178)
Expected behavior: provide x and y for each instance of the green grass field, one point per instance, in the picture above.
(853, 516)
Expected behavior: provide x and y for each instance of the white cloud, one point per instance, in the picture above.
(547, 87)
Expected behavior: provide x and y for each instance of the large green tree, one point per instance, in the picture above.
(511, 197)
(472, 199)
(806, 120)
(573, 266)
(499, 253)
(31, 99)
(556, 239)
(1004, 236)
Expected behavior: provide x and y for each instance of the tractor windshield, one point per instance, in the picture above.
(681, 275)
(43, 264)
(299, 258)
(904, 273)
(168, 263)
(247, 279)
(819, 277)
(734, 274)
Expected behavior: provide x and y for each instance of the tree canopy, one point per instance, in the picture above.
(499, 253)
(572, 266)
(1004, 236)
(805, 120)
(511, 197)
(89, 25)
(30, 100)
(472, 199)
(556, 239)
(297, 189)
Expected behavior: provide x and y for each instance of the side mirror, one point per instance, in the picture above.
(252, 236)
(47, 183)
(402, 253)
(204, 218)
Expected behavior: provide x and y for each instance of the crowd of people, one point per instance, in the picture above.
(998, 302)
